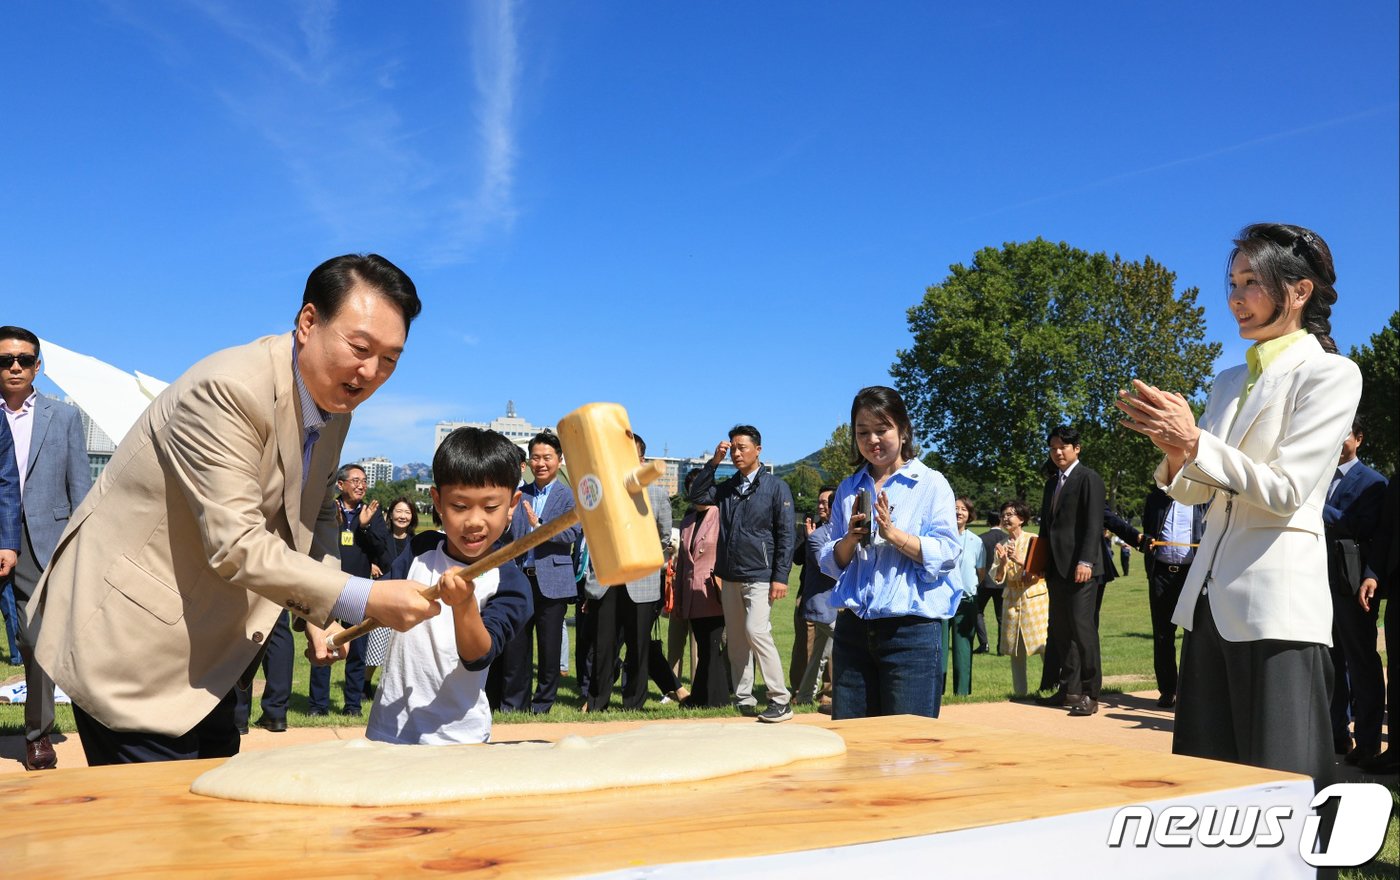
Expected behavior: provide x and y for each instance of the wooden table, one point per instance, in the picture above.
(903, 779)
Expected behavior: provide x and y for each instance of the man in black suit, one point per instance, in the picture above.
(1170, 532)
(1382, 575)
(1071, 519)
(1350, 516)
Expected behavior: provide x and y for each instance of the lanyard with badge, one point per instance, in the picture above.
(347, 526)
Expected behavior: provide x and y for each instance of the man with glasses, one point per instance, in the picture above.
(364, 552)
(51, 452)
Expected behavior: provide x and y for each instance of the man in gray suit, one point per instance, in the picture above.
(51, 450)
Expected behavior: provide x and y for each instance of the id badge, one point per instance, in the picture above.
(347, 538)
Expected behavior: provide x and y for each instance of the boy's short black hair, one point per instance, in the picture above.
(548, 438)
(477, 458)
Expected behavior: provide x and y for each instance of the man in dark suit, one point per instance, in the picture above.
(1071, 519)
(54, 475)
(550, 569)
(1170, 532)
(1350, 516)
(1382, 574)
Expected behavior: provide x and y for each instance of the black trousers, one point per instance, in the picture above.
(1164, 583)
(545, 634)
(984, 596)
(711, 688)
(1359, 690)
(1075, 632)
(38, 703)
(620, 620)
(277, 675)
(1260, 702)
(216, 736)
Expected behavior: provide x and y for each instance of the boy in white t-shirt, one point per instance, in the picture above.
(432, 691)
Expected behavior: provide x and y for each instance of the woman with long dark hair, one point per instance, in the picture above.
(1255, 672)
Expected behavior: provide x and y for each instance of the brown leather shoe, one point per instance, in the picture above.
(1085, 705)
(39, 755)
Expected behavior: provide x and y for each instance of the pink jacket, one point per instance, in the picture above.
(695, 595)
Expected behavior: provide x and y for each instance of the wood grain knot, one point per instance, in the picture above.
(920, 740)
(461, 864)
(397, 832)
(76, 799)
(401, 817)
(1148, 783)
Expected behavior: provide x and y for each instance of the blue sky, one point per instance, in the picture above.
(711, 213)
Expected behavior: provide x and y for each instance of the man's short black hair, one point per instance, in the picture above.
(477, 458)
(1358, 427)
(1068, 435)
(329, 282)
(641, 445)
(23, 335)
(746, 431)
(548, 438)
(825, 489)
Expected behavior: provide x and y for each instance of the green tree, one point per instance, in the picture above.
(1380, 399)
(805, 483)
(1035, 334)
(387, 492)
(834, 459)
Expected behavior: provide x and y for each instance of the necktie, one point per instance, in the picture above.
(311, 437)
(1336, 481)
(1055, 499)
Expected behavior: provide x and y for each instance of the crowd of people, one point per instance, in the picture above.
(224, 525)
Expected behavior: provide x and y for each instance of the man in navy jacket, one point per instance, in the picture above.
(1351, 514)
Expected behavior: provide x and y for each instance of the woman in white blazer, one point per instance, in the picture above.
(1255, 672)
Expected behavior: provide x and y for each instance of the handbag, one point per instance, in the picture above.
(1037, 556)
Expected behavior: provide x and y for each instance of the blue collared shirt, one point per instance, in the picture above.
(974, 556)
(1176, 529)
(880, 581)
(354, 596)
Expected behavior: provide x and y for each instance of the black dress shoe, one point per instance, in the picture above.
(1387, 761)
(1055, 699)
(242, 730)
(1361, 753)
(317, 712)
(1166, 701)
(272, 725)
(350, 713)
(981, 650)
(1083, 706)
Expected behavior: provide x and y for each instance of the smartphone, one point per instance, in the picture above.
(862, 505)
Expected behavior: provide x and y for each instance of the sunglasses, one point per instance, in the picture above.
(26, 361)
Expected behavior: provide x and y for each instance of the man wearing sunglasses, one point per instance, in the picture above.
(216, 513)
(51, 451)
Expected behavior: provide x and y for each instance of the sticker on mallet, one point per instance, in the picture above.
(590, 491)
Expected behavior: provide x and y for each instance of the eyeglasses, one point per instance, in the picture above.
(355, 481)
(27, 361)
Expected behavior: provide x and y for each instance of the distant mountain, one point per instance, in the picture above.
(415, 470)
(809, 460)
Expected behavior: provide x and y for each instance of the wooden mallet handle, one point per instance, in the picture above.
(486, 563)
(635, 482)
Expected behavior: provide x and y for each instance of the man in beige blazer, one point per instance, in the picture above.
(216, 513)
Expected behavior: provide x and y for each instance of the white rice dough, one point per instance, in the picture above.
(364, 773)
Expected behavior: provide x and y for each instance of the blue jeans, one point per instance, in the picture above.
(888, 666)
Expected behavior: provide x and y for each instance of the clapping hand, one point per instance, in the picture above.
(367, 512)
(1163, 417)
